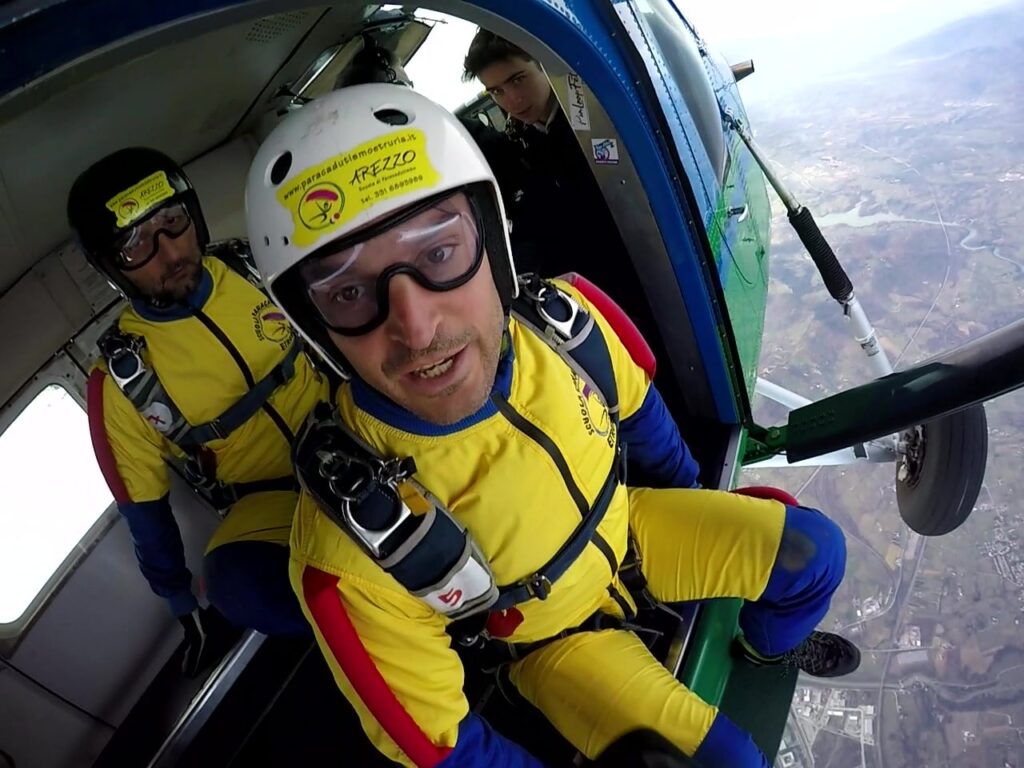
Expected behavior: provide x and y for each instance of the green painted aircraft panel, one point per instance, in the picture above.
(740, 236)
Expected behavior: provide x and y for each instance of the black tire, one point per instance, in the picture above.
(938, 480)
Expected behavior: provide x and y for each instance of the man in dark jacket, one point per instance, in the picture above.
(560, 221)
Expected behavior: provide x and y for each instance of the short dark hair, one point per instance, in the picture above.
(486, 49)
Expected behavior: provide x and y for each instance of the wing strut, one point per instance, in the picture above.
(936, 407)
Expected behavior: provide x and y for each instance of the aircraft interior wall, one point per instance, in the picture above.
(97, 641)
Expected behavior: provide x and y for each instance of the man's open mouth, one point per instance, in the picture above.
(434, 370)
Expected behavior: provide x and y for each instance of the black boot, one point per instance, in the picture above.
(824, 654)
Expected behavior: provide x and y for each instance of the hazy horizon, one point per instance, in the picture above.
(813, 42)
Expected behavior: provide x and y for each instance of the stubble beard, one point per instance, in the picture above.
(489, 345)
(182, 289)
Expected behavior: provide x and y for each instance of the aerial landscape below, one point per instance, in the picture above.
(914, 168)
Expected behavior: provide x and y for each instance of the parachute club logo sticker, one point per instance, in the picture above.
(321, 206)
(593, 412)
(323, 197)
(129, 205)
(127, 209)
(270, 324)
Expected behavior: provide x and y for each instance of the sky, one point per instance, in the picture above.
(804, 41)
(436, 69)
(890, 20)
(792, 44)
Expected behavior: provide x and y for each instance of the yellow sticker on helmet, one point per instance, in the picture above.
(325, 196)
(132, 204)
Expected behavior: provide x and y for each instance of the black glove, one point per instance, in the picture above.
(205, 632)
(642, 749)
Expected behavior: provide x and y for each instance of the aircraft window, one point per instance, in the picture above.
(52, 495)
(436, 68)
(433, 47)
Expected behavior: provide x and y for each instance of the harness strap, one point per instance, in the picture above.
(399, 524)
(489, 654)
(539, 584)
(572, 333)
(286, 483)
(222, 496)
(140, 385)
(201, 477)
(430, 553)
(244, 408)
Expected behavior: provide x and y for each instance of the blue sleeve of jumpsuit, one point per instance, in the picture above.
(728, 746)
(656, 455)
(480, 746)
(160, 553)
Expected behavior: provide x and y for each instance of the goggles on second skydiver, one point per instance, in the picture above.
(137, 245)
(437, 243)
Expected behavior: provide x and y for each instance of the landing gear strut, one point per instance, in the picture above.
(940, 463)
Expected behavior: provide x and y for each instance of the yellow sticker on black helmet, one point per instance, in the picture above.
(135, 202)
(323, 197)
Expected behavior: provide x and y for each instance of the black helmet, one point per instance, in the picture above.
(117, 193)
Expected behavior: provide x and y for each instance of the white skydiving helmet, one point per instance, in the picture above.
(346, 168)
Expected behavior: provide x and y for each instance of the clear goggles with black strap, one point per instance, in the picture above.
(437, 243)
(137, 245)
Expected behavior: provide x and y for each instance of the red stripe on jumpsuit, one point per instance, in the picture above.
(98, 434)
(321, 594)
(767, 492)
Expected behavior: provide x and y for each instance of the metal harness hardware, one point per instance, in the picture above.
(123, 354)
(353, 479)
(538, 586)
(399, 524)
(542, 297)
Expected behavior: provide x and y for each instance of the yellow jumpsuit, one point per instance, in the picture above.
(389, 651)
(206, 353)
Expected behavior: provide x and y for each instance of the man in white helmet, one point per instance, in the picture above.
(466, 488)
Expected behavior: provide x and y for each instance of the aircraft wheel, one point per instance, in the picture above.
(939, 474)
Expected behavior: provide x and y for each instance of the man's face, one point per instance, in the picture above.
(173, 273)
(437, 352)
(520, 88)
